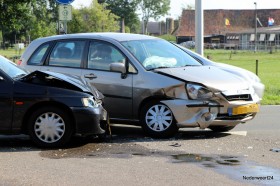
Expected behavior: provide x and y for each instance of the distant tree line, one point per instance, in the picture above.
(26, 20)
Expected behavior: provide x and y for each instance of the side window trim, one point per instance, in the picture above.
(84, 62)
(47, 59)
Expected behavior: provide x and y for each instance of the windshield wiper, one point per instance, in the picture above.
(159, 67)
(191, 65)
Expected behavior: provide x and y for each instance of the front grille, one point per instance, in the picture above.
(241, 97)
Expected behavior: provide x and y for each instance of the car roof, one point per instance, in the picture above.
(105, 35)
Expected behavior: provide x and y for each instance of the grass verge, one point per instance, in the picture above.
(268, 69)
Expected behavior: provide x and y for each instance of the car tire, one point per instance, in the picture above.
(157, 120)
(50, 127)
(221, 128)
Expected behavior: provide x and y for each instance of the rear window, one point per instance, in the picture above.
(67, 54)
(38, 57)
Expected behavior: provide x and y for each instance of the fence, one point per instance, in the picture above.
(243, 46)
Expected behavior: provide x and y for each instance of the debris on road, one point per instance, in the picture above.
(275, 150)
(175, 145)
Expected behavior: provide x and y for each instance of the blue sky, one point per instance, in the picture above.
(177, 5)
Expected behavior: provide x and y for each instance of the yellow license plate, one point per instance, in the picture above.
(252, 108)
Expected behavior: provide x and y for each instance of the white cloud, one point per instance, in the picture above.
(79, 3)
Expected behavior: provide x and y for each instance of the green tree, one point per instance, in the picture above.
(27, 18)
(12, 13)
(42, 20)
(153, 9)
(95, 18)
(126, 10)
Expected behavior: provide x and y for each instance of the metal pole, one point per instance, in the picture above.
(199, 28)
(256, 25)
(143, 25)
(65, 27)
(257, 67)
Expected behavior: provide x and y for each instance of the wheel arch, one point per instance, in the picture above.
(167, 131)
(146, 101)
(45, 104)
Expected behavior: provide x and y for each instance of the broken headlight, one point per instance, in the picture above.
(89, 102)
(196, 91)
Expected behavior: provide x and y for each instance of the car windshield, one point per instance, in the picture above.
(11, 69)
(157, 53)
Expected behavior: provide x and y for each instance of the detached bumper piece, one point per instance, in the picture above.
(209, 105)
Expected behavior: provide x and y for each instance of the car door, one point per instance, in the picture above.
(116, 88)
(6, 106)
(66, 57)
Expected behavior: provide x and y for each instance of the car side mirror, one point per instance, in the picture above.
(1, 78)
(118, 67)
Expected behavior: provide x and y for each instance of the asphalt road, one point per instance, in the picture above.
(247, 155)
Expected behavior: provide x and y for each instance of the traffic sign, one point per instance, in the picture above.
(65, 12)
(65, 2)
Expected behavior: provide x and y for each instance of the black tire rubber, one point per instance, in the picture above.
(221, 128)
(168, 132)
(69, 129)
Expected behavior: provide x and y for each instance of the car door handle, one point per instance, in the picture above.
(90, 76)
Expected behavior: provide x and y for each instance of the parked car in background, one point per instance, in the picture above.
(188, 44)
(48, 106)
(148, 81)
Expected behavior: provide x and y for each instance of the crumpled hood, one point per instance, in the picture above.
(209, 76)
(246, 74)
(73, 80)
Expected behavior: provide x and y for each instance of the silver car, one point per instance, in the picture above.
(149, 81)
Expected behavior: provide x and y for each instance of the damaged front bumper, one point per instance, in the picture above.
(88, 120)
(202, 114)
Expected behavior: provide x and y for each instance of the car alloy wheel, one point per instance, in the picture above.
(49, 127)
(157, 120)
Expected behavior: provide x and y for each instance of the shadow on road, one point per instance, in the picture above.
(120, 134)
(124, 132)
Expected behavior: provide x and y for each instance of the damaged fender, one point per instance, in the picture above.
(190, 113)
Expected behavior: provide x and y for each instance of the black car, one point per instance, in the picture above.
(50, 107)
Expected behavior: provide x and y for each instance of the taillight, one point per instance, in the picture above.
(19, 62)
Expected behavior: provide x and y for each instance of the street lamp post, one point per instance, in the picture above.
(199, 27)
(256, 25)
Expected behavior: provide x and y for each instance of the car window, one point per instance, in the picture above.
(67, 54)
(102, 54)
(37, 57)
(11, 69)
